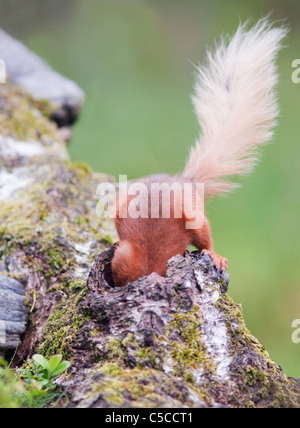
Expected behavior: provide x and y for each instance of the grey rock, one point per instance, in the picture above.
(30, 72)
(13, 312)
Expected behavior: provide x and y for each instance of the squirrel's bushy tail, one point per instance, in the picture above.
(236, 106)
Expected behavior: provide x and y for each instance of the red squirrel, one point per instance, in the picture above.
(236, 107)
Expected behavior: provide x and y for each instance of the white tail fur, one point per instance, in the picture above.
(236, 106)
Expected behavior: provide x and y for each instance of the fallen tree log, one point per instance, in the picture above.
(177, 341)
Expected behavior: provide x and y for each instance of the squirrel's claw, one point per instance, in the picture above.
(219, 262)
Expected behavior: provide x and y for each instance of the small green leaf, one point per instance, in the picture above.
(44, 383)
(61, 368)
(3, 363)
(54, 362)
(40, 360)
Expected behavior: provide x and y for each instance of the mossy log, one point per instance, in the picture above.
(177, 341)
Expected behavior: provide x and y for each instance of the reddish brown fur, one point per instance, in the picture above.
(146, 244)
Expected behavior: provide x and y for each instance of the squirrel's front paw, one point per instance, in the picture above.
(219, 262)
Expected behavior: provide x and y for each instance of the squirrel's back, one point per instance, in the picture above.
(155, 232)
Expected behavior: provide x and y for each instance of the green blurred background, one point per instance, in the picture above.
(134, 59)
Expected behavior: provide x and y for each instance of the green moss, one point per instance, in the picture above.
(126, 350)
(143, 387)
(23, 118)
(262, 383)
(111, 369)
(81, 168)
(62, 325)
(108, 239)
(47, 211)
(189, 353)
(135, 385)
(40, 230)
